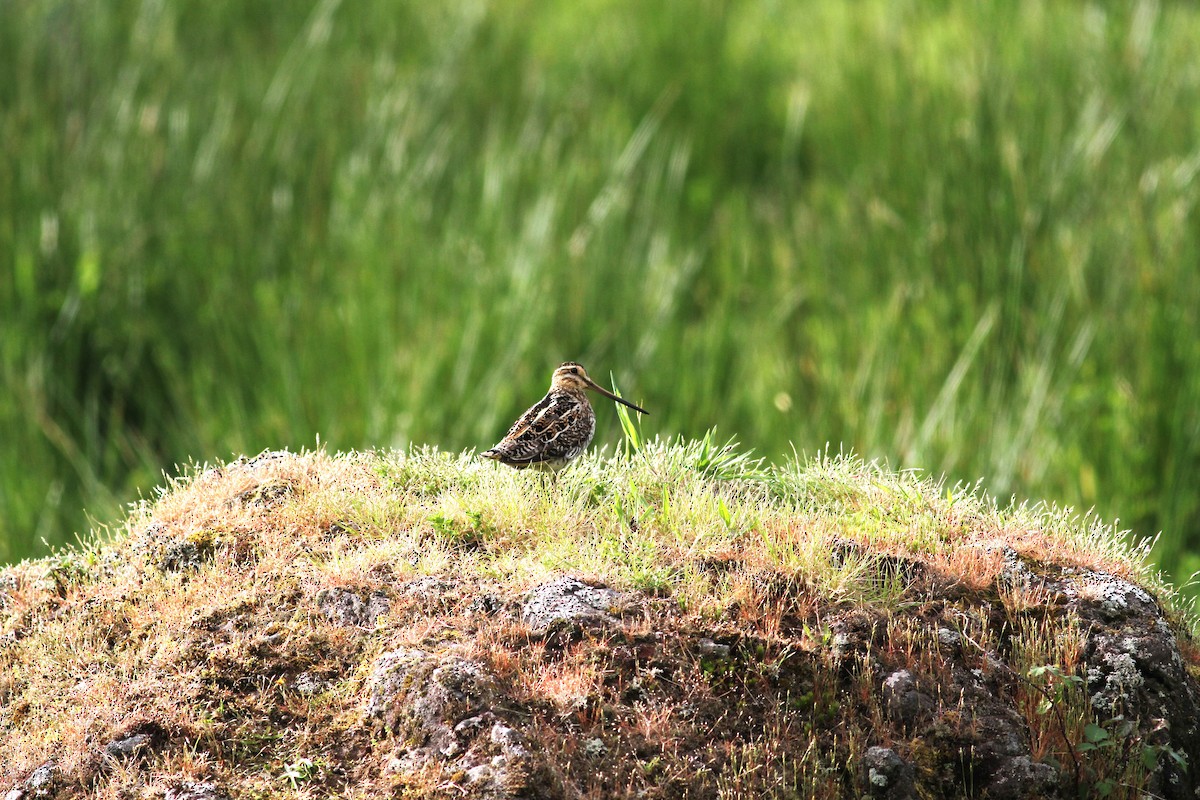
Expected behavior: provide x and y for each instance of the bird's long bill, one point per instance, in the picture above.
(620, 400)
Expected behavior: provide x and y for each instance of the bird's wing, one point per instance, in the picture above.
(558, 425)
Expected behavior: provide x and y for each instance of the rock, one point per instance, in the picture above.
(1020, 778)
(1133, 665)
(853, 637)
(182, 556)
(1004, 764)
(414, 690)
(509, 740)
(886, 775)
(427, 587)
(949, 639)
(471, 724)
(841, 646)
(486, 604)
(446, 708)
(425, 696)
(1115, 679)
(127, 747)
(634, 692)
(193, 790)
(1135, 668)
(480, 774)
(394, 674)
(903, 699)
(431, 593)
(268, 457)
(707, 648)
(42, 782)
(347, 609)
(309, 685)
(568, 602)
(640, 710)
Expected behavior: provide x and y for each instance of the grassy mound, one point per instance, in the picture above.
(225, 636)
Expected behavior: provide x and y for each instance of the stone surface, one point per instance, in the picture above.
(195, 790)
(927, 686)
(182, 556)
(127, 746)
(886, 775)
(566, 602)
(904, 701)
(1021, 778)
(716, 651)
(42, 782)
(444, 708)
(1133, 665)
(309, 685)
(350, 609)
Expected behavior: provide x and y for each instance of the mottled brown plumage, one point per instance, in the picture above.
(558, 428)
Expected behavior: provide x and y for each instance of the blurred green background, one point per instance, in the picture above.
(956, 236)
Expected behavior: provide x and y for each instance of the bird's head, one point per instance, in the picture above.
(573, 377)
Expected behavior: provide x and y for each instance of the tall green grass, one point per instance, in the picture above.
(961, 237)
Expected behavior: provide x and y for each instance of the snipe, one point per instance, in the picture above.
(560, 427)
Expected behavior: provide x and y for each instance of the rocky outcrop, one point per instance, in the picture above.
(954, 722)
(210, 659)
(446, 710)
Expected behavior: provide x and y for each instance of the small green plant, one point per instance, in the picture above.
(1055, 686)
(68, 567)
(630, 508)
(632, 430)
(469, 533)
(302, 770)
(1104, 757)
(724, 513)
(725, 461)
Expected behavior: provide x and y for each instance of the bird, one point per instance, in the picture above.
(558, 427)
